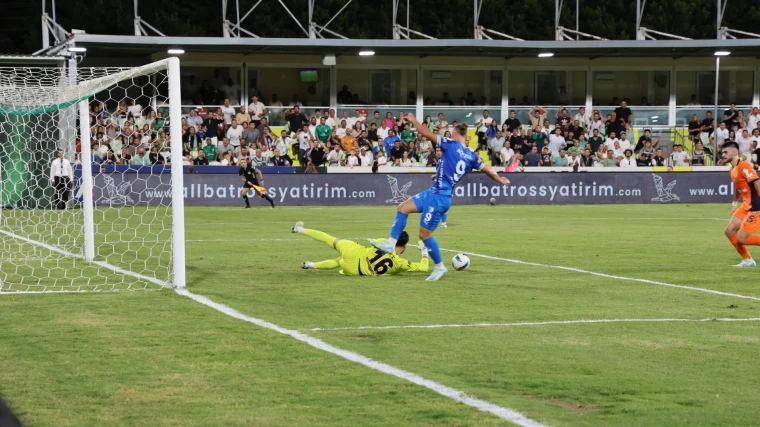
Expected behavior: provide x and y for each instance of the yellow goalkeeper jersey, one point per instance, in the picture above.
(363, 261)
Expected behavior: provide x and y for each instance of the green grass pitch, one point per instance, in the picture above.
(159, 359)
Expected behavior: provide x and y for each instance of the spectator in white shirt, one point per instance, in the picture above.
(506, 153)
(234, 132)
(405, 160)
(547, 129)
(342, 129)
(229, 112)
(611, 140)
(495, 145)
(256, 109)
(381, 159)
(135, 109)
(365, 157)
(617, 150)
(441, 125)
(194, 120)
(745, 143)
(313, 123)
(581, 117)
(574, 161)
(596, 123)
(482, 125)
(382, 131)
(61, 178)
(283, 143)
(352, 160)
(624, 142)
(331, 120)
(720, 135)
(753, 119)
(628, 161)
(335, 156)
(358, 118)
(679, 157)
(304, 137)
(345, 117)
(556, 141)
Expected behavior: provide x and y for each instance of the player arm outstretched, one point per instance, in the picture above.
(422, 129)
(493, 175)
(412, 267)
(421, 266)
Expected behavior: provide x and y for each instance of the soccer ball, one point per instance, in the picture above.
(492, 201)
(460, 262)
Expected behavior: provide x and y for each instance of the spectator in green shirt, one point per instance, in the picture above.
(560, 160)
(610, 161)
(140, 158)
(210, 150)
(576, 148)
(376, 120)
(323, 131)
(595, 141)
(407, 135)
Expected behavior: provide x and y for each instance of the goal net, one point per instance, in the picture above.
(103, 217)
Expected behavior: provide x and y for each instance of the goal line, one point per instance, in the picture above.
(103, 264)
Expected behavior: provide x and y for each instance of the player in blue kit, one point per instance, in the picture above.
(457, 160)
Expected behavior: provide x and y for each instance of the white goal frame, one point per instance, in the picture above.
(81, 97)
(178, 201)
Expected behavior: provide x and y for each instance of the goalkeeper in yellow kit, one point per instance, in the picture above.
(358, 260)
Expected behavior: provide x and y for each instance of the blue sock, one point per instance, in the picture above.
(445, 216)
(435, 251)
(399, 224)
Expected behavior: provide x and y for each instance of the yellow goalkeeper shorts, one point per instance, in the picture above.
(352, 255)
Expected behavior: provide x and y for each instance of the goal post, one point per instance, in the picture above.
(121, 225)
(178, 188)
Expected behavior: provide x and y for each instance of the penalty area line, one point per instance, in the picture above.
(550, 322)
(452, 393)
(608, 276)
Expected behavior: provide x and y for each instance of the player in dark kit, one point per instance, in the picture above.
(251, 178)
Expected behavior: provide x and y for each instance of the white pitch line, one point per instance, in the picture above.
(111, 267)
(367, 221)
(608, 276)
(452, 393)
(551, 322)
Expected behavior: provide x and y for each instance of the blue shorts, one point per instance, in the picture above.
(432, 208)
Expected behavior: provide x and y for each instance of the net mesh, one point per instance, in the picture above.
(42, 230)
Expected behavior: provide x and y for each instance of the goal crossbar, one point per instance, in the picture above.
(48, 95)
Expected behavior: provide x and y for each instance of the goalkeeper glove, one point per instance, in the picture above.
(421, 246)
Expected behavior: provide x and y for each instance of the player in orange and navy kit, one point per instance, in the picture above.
(745, 219)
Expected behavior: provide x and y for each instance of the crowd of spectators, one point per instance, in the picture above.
(135, 135)
(577, 139)
(735, 125)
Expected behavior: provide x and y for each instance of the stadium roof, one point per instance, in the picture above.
(30, 59)
(143, 45)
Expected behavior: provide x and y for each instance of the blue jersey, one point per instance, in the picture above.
(456, 162)
(390, 142)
